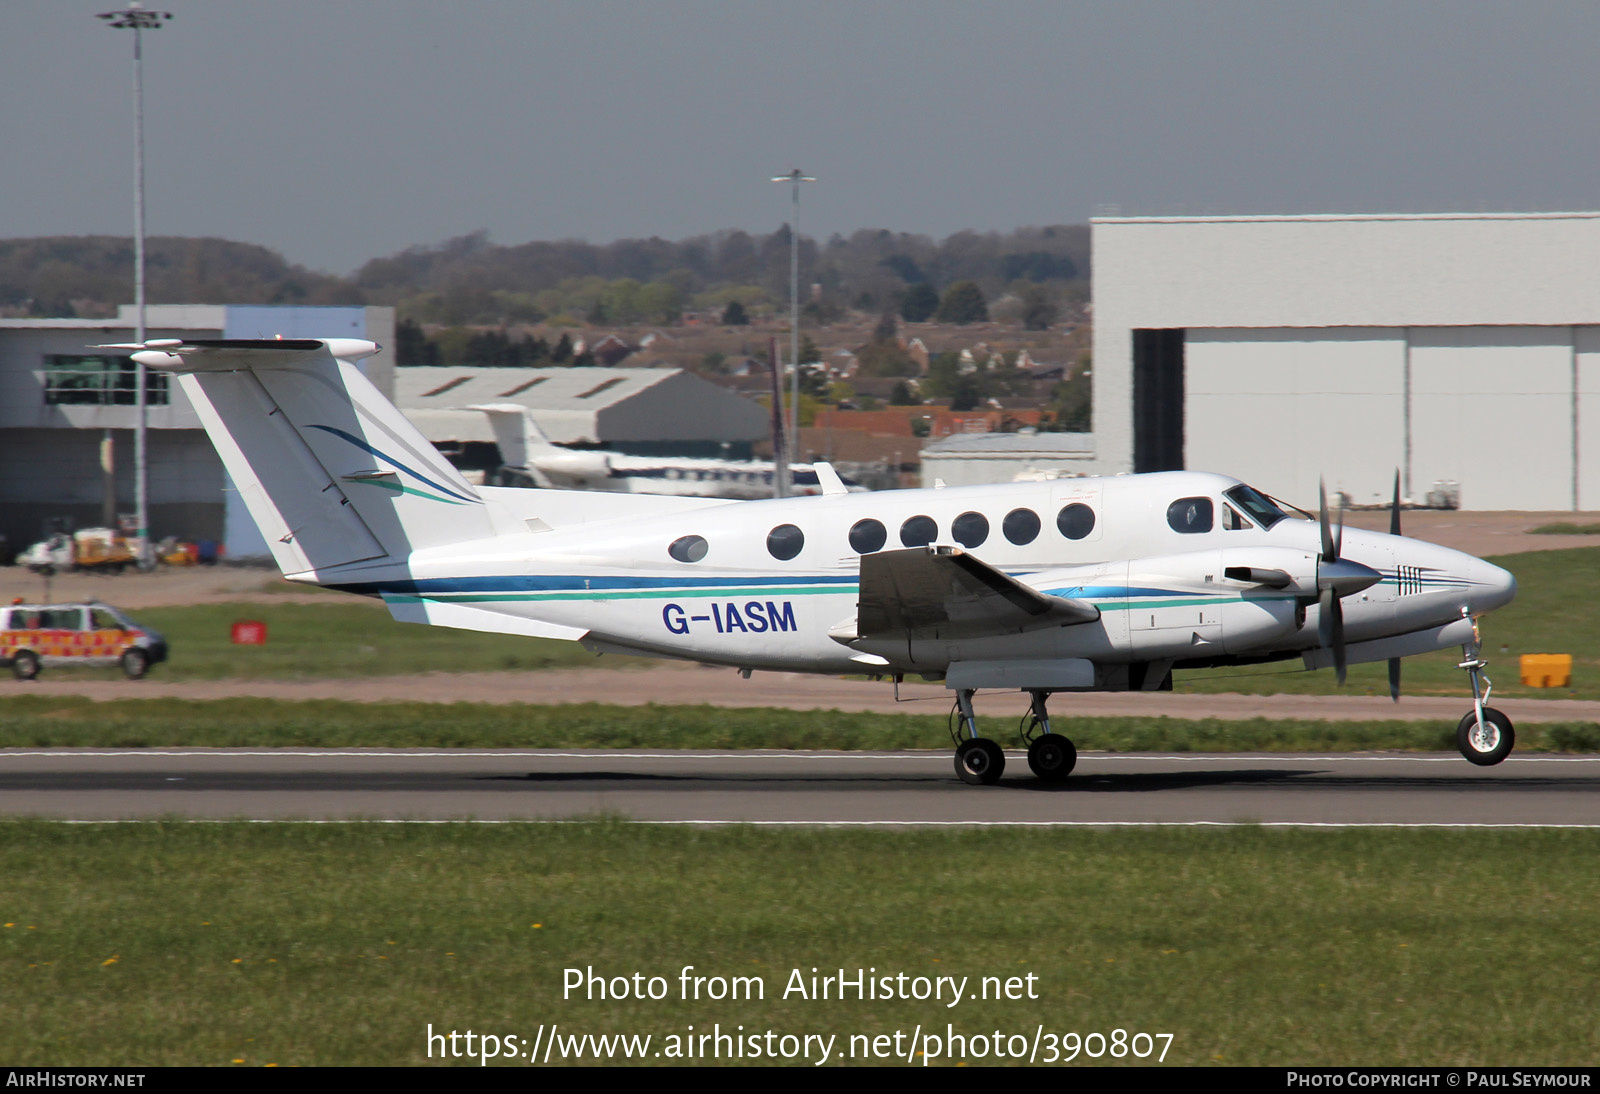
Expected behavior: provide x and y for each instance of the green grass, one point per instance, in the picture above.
(62, 722)
(348, 636)
(1566, 530)
(209, 944)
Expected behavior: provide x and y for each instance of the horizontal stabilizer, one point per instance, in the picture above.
(944, 592)
(467, 617)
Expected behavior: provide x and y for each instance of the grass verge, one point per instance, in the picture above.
(62, 722)
(1565, 530)
(348, 636)
(211, 944)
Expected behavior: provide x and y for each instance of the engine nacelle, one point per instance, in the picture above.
(1203, 604)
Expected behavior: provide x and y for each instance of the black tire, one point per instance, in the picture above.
(980, 762)
(1492, 745)
(25, 665)
(135, 662)
(1052, 757)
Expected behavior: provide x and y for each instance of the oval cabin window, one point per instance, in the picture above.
(1021, 526)
(785, 541)
(688, 548)
(867, 536)
(970, 529)
(919, 531)
(1075, 521)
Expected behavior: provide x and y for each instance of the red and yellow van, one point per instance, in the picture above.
(32, 635)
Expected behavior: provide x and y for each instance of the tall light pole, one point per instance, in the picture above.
(139, 20)
(794, 177)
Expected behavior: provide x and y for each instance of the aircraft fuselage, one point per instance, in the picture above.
(1169, 588)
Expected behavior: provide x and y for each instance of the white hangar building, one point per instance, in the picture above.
(969, 459)
(1457, 348)
(647, 411)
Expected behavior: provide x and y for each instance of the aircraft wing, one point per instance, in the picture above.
(944, 592)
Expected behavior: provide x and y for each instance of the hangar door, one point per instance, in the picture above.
(1281, 407)
(1158, 400)
(1493, 409)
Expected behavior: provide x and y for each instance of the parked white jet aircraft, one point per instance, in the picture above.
(533, 459)
(1071, 585)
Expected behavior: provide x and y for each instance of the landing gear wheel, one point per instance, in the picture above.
(1052, 757)
(25, 664)
(1488, 744)
(979, 761)
(135, 663)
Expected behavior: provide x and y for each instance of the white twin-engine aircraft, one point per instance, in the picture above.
(1071, 585)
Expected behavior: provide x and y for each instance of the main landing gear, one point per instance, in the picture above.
(981, 762)
(1485, 736)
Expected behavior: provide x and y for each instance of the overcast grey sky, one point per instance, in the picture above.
(335, 131)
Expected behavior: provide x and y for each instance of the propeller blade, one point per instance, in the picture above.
(1329, 551)
(1394, 509)
(1338, 538)
(1339, 665)
(1394, 678)
(1330, 628)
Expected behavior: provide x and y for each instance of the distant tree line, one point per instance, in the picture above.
(86, 277)
(1029, 274)
(464, 346)
(635, 282)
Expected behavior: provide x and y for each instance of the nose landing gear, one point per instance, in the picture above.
(1485, 736)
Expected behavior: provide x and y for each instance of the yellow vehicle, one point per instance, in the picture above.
(33, 635)
(100, 549)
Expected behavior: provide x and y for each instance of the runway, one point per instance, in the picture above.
(812, 788)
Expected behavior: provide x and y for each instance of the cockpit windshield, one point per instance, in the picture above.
(1256, 505)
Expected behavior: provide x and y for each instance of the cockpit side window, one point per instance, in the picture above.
(1232, 521)
(1190, 515)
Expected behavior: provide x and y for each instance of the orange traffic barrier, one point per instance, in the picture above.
(1546, 670)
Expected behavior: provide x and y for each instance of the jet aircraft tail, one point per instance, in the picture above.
(336, 477)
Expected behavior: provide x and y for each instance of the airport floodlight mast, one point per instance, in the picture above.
(138, 19)
(795, 177)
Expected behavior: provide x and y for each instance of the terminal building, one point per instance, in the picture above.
(1462, 350)
(66, 406)
(61, 400)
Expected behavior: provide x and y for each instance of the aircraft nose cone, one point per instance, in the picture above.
(1493, 587)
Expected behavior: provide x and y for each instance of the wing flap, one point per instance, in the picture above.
(944, 592)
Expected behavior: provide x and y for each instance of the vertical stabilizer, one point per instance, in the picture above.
(332, 473)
